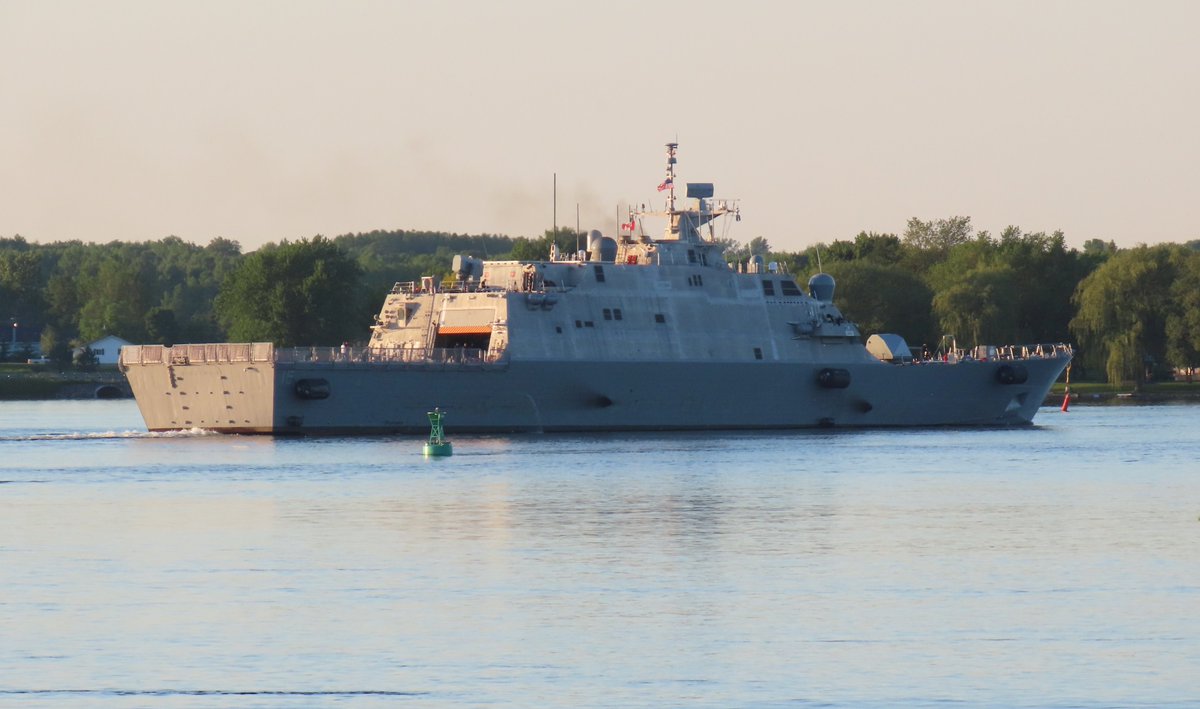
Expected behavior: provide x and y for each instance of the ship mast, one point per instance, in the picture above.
(669, 183)
(683, 224)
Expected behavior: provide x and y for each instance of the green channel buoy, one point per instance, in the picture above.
(437, 445)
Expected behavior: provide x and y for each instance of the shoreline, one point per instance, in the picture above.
(1110, 398)
(16, 385)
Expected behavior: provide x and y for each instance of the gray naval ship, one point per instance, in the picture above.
(631, 333)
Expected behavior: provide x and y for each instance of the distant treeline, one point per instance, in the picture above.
(1133, 312)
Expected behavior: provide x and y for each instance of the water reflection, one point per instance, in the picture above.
(1022, 567)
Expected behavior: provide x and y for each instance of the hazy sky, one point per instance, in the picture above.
(260, 121)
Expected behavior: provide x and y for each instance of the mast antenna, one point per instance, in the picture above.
(670, 181)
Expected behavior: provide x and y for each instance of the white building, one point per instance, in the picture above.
(107, 349)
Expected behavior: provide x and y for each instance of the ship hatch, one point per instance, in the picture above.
(466, 336)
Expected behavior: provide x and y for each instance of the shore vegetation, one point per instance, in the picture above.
(1133, 314)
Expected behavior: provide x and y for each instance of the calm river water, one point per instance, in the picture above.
(1052, 566)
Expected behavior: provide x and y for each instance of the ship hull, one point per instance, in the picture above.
(357, 398)
(628, 334)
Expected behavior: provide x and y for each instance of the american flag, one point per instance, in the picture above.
(666, 185)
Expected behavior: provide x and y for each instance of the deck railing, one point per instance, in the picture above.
(448, 285)
(267, 352)
(186, 354)
(1003, 352)
(457, 356)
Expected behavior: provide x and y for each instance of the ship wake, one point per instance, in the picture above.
(110, 435)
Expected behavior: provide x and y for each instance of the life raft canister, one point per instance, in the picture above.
(312, 388)
(832, 378)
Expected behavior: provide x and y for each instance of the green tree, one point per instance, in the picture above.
(832, 252)
(54, 347)
(1183, 322)
(86, 360)
(529, 250)
(879, 248)
(161, 326)
(977, 308)
(72, 269)
(939, 235)
(734, 250)
(1123, 308)
(929, 242)
(189, 278)
(20, 283)
(1046, 273)
(759, 246)
(1099, 247)
(884, 298)
(118, 298)
(567, 241)
(1013, 289)
(301, 293)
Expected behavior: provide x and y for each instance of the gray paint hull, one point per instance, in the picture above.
(583, 396)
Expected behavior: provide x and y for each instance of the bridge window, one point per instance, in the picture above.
(599, 273)
(757, 353)
(608, 314)
(616, 313)
(660, 318)
(789, 288)
(768, 287)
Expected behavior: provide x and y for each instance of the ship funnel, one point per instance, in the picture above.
(595, 244)
(821, 287)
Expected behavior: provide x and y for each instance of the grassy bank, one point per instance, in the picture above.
(26, 382)
(1102, 392)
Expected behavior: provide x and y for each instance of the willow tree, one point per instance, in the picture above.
(1183, 323)
(1123, 308)
(978, 307)
(974, 293)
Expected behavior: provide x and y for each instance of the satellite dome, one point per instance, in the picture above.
(821, 287)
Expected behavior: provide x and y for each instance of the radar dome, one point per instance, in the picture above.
(821, 287)
(608, 249)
